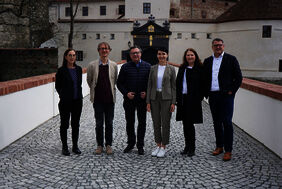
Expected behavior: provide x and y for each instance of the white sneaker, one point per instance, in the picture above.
(161, 152)
(155, 152)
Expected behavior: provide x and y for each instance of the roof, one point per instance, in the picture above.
(253, 10)
(63, 1)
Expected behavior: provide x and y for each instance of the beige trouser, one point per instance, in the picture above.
(160, 111)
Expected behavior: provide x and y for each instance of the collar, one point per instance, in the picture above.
(219, 56)
(100, 62)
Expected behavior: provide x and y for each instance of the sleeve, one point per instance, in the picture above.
(121, 81)
(58, 81)
(149, 87)
(89, 75)
(173, 85)
(237, 76)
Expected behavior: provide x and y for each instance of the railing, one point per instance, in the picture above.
(26, 103)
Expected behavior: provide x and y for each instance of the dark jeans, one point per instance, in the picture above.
(129, 107)
(104, 111)
(189, 135)
(222, 106)
(70, 109)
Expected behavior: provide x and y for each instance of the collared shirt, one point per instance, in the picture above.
(184, 88)
(100, 62)
(138, 64)
(215, 70)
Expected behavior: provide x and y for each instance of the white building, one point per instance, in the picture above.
(252, 34)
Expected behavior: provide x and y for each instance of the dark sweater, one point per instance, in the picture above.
(133, 79)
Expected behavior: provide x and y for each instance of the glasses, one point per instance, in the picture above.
(218, 45)
(135, 53)
(104, 49)
(71, 55)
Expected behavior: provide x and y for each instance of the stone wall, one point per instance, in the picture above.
(24, 23)
(21, 63)
(199, 9)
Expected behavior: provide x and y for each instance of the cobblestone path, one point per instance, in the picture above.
(35, 160)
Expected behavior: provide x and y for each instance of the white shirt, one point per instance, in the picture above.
(184, 88)
(161, 70)
(215, 70)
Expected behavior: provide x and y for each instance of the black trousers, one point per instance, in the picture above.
(70, 109)
(129, 107)
(189, 135)
(104, 111)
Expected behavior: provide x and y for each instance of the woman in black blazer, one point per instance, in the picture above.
(68, 85)
(189, 96)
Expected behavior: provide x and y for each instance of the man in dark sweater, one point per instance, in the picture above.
(101, 78)
(132, 83)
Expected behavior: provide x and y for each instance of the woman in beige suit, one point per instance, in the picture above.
(161, 97)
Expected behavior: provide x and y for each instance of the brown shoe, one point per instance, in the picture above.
(99, 150)
(217, 151)
(109, 150)
(227, 156)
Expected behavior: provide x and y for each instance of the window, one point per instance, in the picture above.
(112, 36)
(146, 8)
(121, 9)
(67, 11)
(84, 36)
(193, 35)
(97, 36)
(179, 35)
(280, 65)
(79, 55)
(209, 36)
(84, 11)
(266, 31)
(204, 14)
(102, 10)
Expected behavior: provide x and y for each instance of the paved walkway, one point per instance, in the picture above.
(35, 161)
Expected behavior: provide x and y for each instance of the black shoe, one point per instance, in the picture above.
(128, 149)
(76, 151)
(185, 151)
(190, 154)
(65, 151)
(141, 151)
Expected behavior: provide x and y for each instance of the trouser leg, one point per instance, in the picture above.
(75, 119)
(109, 116)
(165, 120)
(141, 130)
(64, 109)
(156, 118)
(189, 135)
(227, 122)
(99, 119)
(129, 109)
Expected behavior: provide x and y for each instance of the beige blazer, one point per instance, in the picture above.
(92, 77)
(168, 84)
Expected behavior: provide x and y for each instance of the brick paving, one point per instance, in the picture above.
(35, 160)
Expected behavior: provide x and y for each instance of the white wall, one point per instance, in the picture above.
(24, 110)
(259, 116)
(159, 9)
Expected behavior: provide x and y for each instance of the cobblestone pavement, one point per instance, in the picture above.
(35, 160)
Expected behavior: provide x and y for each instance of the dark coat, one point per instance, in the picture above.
(133, 79)
(192, 109)
(229, 76)
(64, 83)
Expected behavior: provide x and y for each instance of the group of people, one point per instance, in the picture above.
(156, 89)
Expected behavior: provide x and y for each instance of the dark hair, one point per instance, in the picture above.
(104, 43)
(197, 62)
(134, 47)
(162, 49)
(217, 39)
(65, 62)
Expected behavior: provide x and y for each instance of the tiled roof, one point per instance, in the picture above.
(253, 10)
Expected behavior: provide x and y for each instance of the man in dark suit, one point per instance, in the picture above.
(132, 83)
(223, 78)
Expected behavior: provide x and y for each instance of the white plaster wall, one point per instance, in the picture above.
(259, 116)
(93, 10)
(159, 9)
(22, 111)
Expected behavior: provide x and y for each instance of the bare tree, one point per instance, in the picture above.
(72, 16)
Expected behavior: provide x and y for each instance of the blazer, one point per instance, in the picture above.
(168, 84)
(192, 108)
(229, 76)
(92, 77)
(64, 84)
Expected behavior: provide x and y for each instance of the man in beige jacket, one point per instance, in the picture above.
(101, 78)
